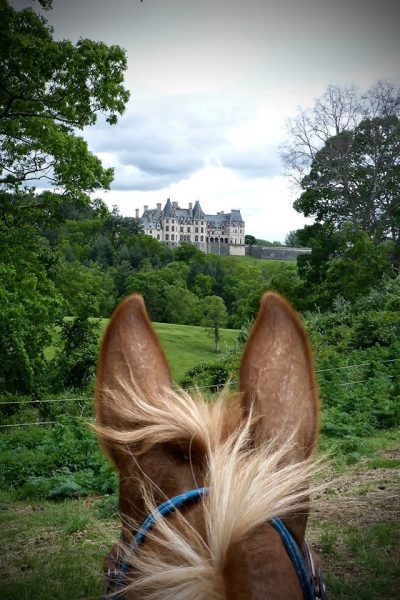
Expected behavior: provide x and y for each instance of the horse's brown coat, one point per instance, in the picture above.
(277, 383)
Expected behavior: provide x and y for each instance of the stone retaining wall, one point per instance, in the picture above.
(276, 252)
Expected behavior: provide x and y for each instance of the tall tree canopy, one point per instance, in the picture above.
(344, 156)
(339, 110)
(48, 90)
(355, 178)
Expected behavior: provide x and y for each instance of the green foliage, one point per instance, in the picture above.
(346, 262)
(86, 288)
(214, 317)
(29, 305)
(107, 507)
(357, 356)
(354, 179)
(75, 362)
(288, 283)
(350, 186)
(48, 90)
(250, 240)
(181, 305)
(210, 377)
(56, 462)
(293, 239)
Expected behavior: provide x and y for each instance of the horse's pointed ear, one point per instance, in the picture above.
(131, 358)
(277, 376)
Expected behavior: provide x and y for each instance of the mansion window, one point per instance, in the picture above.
(173, 227)
(188, 229)
(166, 237)
(181, 228)
(196, 229)
(172, 236)
(167, 228)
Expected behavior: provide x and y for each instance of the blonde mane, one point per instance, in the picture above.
(248, 485)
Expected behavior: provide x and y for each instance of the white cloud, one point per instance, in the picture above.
(164, 139)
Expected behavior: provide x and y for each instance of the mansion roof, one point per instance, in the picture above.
(171, 210)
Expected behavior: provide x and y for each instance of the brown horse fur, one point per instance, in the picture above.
(253, 451)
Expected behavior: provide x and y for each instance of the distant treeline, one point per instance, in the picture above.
(102, 256)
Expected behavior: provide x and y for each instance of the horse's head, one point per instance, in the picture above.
(250, 451)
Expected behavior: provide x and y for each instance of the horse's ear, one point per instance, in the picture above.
(131, 358)
(277, 377)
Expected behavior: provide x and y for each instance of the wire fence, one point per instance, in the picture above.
(214, 387)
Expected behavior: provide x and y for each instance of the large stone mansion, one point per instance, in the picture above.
(222, 233)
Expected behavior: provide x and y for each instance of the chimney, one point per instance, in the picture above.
(145, 207)
(190, 205)
(222, 212)
(159, 208)
(137, 213)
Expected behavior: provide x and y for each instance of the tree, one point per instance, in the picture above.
(341, 109)
(250, 240)
(203, 285)
(287, 282)
(48, 90)
(215, 316)
(345, 157)
(29, 305)
(355, 178)
(186, 251)
(181, 305)
(343, 262)
(358, 266)
(293, 239)
(74, 364)
(86, 289)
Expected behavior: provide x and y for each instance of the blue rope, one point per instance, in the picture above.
(164, 510)
(296, 557)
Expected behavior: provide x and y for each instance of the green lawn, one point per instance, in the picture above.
(273, 264)
(184, 345)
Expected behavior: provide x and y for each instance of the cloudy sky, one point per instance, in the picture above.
(212, 83)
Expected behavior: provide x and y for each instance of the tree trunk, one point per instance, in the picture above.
(217, 339)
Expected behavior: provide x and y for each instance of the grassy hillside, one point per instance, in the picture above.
(272, 266)
(184, 345)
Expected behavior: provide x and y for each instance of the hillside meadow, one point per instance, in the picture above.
(184, 345)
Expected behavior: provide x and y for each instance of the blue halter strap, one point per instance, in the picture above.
(311, 583)
(116, 576)
(304, 576)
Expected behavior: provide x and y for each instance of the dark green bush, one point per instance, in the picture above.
(54, 461)
(75, 362)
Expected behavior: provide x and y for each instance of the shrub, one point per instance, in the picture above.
(75, 362)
